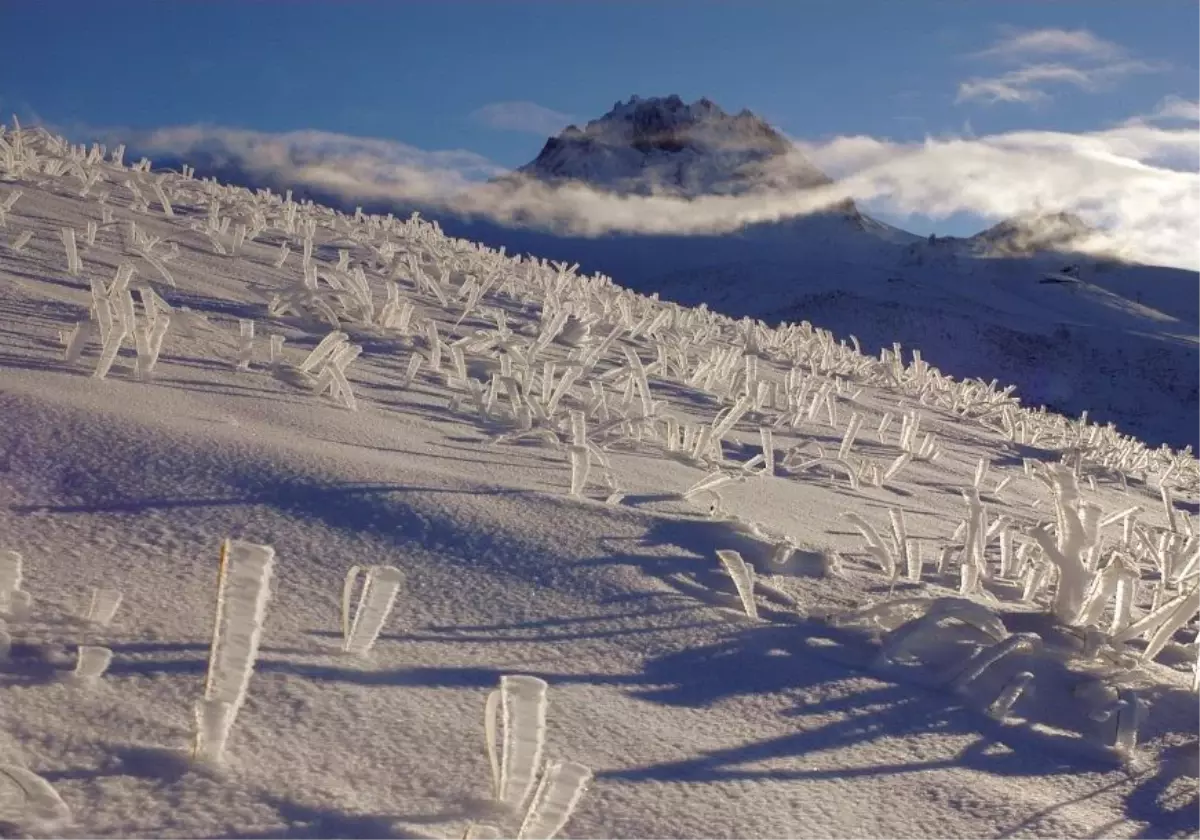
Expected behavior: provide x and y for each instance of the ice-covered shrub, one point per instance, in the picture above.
(324, 369)
(114, 316)
(550, 791)
(1077, 534)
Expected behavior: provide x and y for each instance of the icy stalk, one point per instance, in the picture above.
(519, 707)
(562, 786)
(380, 586)
(243, 591)
(743, 579)
(40, 805)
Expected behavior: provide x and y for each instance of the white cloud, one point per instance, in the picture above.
(1138, 181)
(1085, 62)
(1177, 108)
(528, 117)
(319, 158)
(1080, 42)
(1026, 84)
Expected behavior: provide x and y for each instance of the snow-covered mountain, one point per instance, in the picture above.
(1031, 233)
(662, 145)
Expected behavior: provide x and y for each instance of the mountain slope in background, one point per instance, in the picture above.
(1073, 332)
(1031, 233)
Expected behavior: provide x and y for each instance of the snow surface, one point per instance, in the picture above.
(697, 721)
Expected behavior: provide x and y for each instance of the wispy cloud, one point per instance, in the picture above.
(1079, 42)
(527, 117)
(1137, 181)
(1083, 61)
(1177, 108)
(1028, 84)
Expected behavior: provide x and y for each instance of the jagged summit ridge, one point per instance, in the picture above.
(662, 145)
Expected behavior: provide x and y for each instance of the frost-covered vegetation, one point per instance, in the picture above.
(1043, 570)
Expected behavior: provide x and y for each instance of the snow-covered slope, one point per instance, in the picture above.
(935, 681)
(1122, 343)
(1071, 345)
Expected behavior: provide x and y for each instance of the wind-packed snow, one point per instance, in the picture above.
(856, 703)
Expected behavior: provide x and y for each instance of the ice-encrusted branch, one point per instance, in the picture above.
(10, 578)
(897, 644)
(515, 715)
(103, 606)
(92, 662)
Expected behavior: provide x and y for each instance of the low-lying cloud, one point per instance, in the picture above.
(311, 158)
(1138, 181)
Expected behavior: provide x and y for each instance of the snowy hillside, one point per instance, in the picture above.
(724, 579)
(1122, 343)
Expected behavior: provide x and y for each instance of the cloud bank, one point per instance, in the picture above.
(1137, 181)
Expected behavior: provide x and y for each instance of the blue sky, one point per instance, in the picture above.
(494, 77)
